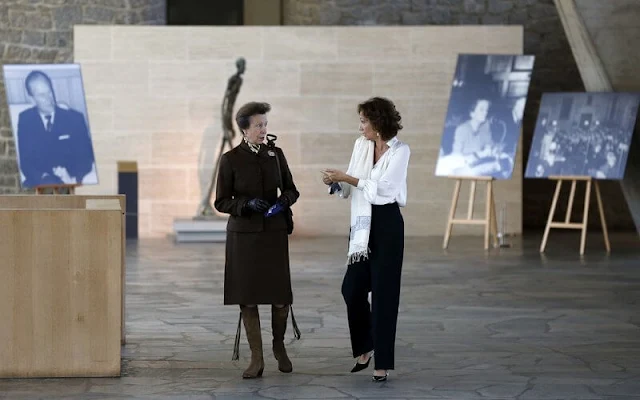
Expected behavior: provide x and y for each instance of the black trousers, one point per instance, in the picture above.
(374, 328)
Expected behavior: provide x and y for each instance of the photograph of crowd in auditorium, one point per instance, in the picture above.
(484, 116)
(583, 134)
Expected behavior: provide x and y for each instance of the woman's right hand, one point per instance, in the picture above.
(326, 180)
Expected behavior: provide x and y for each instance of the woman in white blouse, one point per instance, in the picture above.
(376, 182)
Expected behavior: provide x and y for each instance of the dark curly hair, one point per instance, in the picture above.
(249, 110)
(382, 115)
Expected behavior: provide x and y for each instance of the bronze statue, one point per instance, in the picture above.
(228, 133)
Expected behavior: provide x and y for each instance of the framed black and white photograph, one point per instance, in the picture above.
(484, 117)
(50, 125)
(583, 134)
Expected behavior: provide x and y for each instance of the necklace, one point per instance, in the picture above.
(381, 151)
(377, 154)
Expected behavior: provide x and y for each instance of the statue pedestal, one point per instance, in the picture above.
(211, 229)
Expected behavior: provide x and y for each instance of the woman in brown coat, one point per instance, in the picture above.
(257, 246)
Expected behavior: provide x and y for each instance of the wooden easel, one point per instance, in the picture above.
(489, 220)
(566, 224)
(56, 189)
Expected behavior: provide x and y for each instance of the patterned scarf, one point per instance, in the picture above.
(253, 147)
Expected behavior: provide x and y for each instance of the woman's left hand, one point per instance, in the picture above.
(335, 175)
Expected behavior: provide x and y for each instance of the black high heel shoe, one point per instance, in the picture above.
(359, 367)
(382, 378)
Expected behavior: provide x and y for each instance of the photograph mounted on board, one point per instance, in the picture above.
(482, 126)
(50, 125)
(583, 134)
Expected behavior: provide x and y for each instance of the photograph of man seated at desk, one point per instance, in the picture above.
(583, 134)
(482, 126)
(50, 125)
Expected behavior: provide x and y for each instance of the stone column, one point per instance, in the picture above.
(589, 64)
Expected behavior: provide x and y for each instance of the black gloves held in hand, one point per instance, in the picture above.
(257, 205)
(334, 188)
(281, 204)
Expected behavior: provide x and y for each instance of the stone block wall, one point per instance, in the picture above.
(313, 77)
(40, 32)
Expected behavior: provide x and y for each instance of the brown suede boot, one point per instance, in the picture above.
(251, 320)
(279, 318)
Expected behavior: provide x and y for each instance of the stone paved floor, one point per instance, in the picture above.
(507, 325)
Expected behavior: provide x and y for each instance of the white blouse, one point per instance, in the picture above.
(387, 182)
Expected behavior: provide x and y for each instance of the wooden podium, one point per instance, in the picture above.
(19, 201)
(60, 290)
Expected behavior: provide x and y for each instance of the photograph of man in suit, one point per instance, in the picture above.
(514, 120)
(54, 145)
(511, 120)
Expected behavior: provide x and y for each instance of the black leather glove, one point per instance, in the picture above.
(283, 201)
(257, 205)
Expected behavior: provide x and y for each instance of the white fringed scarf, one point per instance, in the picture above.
(360, 167)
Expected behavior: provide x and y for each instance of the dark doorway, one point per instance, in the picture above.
(205, 12)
